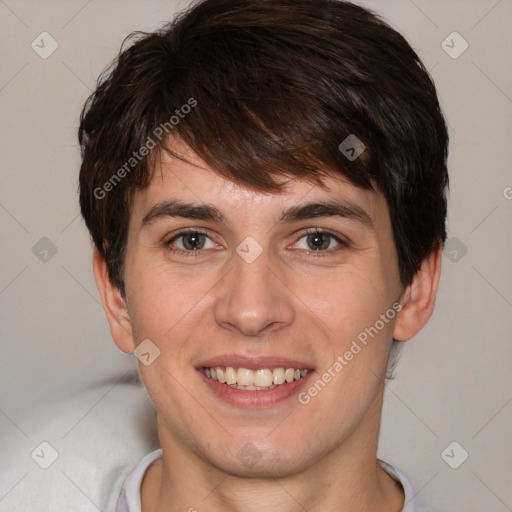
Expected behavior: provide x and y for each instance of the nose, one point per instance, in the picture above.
(253, 298)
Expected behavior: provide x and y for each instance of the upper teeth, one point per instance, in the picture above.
(260, 378)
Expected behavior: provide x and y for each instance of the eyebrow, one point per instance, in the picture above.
(338, 208)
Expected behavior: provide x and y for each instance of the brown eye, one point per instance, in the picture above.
(320, 241)
(190, 241)
(193, 241)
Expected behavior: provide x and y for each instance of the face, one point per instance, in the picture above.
(254, 284)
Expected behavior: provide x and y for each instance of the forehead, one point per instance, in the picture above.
(190, 179)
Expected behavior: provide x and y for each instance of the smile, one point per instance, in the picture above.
(254, 380)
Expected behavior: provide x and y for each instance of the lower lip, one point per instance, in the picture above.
(255, 398)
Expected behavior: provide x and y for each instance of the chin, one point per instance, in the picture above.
(259, 460)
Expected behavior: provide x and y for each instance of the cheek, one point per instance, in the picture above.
(360, 316)
(348, 300)
(165, 303)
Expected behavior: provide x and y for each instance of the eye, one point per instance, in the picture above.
(189, 241)
(319, 240)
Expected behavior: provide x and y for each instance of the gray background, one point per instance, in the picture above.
(453, 381)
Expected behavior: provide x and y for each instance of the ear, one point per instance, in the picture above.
(114, 305)
(419, 298)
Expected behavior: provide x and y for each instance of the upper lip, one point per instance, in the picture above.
(254, 363)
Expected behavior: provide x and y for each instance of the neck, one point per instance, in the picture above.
(346, 478)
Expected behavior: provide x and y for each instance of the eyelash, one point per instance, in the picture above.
(314, 254)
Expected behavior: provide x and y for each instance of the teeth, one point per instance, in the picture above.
(278, 376)
(264, 378)
(230, 375)
(220, 375)
(245, 377)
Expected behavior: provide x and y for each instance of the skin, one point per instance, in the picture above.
(288, 303)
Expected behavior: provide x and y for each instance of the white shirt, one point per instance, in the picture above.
(129, 499)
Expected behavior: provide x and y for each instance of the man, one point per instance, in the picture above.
(264, 183)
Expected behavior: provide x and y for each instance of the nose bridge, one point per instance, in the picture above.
(252, 298)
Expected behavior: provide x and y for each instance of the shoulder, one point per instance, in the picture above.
(76, 454)
(413, 501)
(130, 496)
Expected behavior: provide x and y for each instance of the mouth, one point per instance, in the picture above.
(254, 382)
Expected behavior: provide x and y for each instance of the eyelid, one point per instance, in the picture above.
(342, 241)
(341, 238)
(184, 231)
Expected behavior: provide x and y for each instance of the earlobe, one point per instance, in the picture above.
(114, 305)
(419, 298)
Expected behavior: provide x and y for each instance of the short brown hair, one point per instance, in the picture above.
(275, 86)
